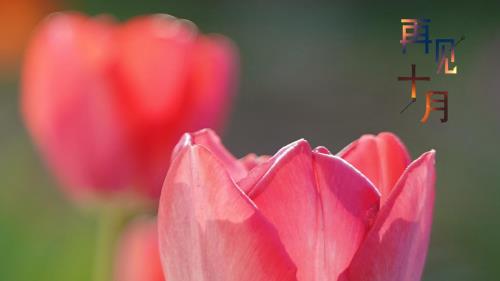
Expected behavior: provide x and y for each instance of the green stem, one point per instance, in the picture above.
(110, 223)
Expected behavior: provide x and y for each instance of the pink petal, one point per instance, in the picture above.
(212, 83)
(322, 149)
(251, 160)
(210, 230)
(67, 107)
(381, 158)
(249, 183)
(150, 75)
(153, 63)
(320, 205)
(138, 257)
(396, 246)
(209, 140)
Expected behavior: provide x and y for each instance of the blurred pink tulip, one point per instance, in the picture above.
(303, 214)
(105, 103)
(137, 255)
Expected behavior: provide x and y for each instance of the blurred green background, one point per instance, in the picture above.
(323, 71)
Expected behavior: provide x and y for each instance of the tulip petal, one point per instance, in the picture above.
(209, 140)
(320, 205)
(396, 246)
(251, 160)
(381, 158)
(137, 256)
(66, 105)
(153, 65)
(150, 75)
(210, 230)
(249, 183)
(212, 82)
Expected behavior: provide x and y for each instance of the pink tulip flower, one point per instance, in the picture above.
(302, 214)
(137, 254)
(105, 102)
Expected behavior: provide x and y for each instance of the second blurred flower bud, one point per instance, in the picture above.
(105, 103)
(137, 254)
